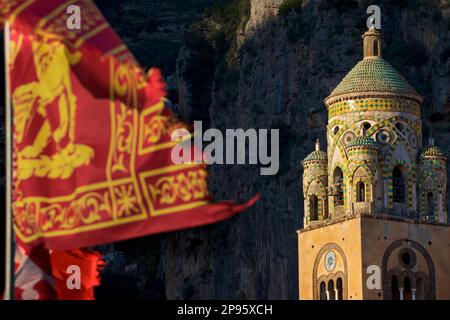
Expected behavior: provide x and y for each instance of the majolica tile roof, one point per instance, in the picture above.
(316, 155)
(433, 151)
(373, 75)
(363, 141)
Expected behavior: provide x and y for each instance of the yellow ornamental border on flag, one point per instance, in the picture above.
(80, 211)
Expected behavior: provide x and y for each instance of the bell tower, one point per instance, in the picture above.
(374, 202)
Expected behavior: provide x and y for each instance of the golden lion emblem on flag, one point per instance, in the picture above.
(52, 62)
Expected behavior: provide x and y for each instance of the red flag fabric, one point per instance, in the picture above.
(76, 273)
(33, 274)
(92, 136)
(62, 275)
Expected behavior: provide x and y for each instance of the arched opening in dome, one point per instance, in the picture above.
(331, 291)
(376, 48)
(407, 289)
(430, 205)
(336, 130)
(323, 291)
(339, 289)
(395, 292)
(338, 181)
(365, 127)
(313, 208)
(398, 184)
(360, 192)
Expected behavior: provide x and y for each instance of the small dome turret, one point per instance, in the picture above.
(363, 141)
(432, 152)
(316, 155)
(315, 185)
(433, 183)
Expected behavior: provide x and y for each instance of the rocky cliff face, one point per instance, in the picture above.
(154, 29)
(275, 73)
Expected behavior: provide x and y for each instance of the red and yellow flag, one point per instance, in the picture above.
(43, 275)
(92, 136)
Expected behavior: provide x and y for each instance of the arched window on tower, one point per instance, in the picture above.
(338, 181)
(365, 127)
(376, 48)
(407, 289)
(336, 130)
(313, 208)
(398, 184)
(360, 192)
(331, 292)
(323, 291)
(394, 288)
(430, 205)
(339, 289)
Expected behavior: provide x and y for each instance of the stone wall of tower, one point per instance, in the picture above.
(363, 241)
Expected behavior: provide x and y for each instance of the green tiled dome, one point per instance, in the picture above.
(433, 151)
(373, 75)
(363, 141)
(316, 155)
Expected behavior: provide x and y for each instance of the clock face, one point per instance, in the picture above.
(330, 261)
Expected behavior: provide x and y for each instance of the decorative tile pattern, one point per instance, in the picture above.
(374, 105)
(373, 75)
(374, 125)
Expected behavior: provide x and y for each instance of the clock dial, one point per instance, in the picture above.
(330, 261)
